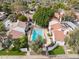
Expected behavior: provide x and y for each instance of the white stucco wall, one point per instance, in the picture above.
(19, 29)
(61, 43)
(7, 24)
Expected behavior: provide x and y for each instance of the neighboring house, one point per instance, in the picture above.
(17, 29)
(15, 34)
(70, 25)
(58, 32)
(2, 15)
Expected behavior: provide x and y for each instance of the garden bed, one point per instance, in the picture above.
(4, 52)
(58, 50)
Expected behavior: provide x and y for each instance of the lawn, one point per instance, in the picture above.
(4, 52)
(58, 50)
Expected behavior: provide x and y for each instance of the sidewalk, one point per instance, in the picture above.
(41, 57)
(24, 57)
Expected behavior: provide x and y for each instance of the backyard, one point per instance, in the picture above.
(56, 51)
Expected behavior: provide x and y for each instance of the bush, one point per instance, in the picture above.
(12, 17)
(68, 18)
(22, 18)
(1, 26)
(56, 51)
(42, 16)
(60, 6)
(6, 7)
(16, 52)
(21, 42)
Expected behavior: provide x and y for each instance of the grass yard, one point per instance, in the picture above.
(58, 50)
(4, 52)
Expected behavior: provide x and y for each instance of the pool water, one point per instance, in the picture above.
(36, 33)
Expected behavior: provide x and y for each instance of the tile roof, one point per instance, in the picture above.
(21, 24)
(59, 35)
(15, 34)
(56, 26)
(57, 30)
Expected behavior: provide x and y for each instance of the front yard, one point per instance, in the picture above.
(6, 52)
(12, 47)
(56, 51)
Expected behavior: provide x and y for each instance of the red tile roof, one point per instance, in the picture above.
(22, 24)
(15, 34)
(59, 35)
(56, 26)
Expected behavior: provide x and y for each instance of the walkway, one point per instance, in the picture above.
(24, 57)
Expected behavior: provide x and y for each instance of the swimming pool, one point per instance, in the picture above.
(36, 33)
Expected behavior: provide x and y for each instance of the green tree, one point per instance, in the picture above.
(37, 45)
(22, 18)
(2, 28)
(6, 43)
(17, 7)
(6, 7)
(16, 44)
(72, 2)
(60, 5)
(12, 17)
(76, 5)
(42, 16)
(0, 7)
(68, 18)
(21, 42)
(73, 40)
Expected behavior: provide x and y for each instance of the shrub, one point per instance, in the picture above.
(22, 18)
(42, 16)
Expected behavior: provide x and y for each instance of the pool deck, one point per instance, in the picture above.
(46, 37)
(45, 31)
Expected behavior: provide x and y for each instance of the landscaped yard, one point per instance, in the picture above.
(57, 50)
(4, 52)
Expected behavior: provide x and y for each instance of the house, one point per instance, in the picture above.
(17, 29)
(58, 32)
(2, 15)
(15, 34)
(70, 25)
(60, 29)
